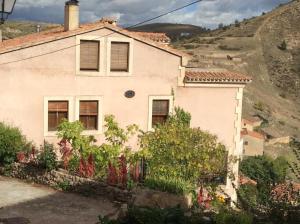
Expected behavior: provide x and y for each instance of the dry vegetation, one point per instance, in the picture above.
(12, 29)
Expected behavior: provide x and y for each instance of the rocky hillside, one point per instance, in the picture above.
(268, 49)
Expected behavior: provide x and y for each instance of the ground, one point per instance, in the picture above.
(22, 203)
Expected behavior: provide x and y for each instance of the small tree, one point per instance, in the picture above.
(176, 151)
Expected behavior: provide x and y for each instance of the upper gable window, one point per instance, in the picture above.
(119, 57)
(89, 55)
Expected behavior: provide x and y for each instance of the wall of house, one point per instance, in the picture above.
(253, 146)
(24, 86)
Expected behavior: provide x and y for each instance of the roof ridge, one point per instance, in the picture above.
(54, 34)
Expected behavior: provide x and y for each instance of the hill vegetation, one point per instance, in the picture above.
(12, 29)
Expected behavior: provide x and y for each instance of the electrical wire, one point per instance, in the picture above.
(132, 26)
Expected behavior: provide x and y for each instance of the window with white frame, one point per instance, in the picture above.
(160, 108)
(89, 113)
(89, 55)
(55, 110)
(119, 56)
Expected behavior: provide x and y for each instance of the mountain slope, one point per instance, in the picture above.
(12, 29)
(254, 47)
(174, 31)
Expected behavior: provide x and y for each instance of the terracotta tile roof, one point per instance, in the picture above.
(199, 76)
(246, 180)
(251, 120)
(59, 33)
(253, 134)
(287, 192)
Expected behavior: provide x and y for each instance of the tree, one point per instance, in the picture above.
(177, 151)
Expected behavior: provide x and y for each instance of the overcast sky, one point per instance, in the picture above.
(208, 13)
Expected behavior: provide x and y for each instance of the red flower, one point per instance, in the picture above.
(21, 157)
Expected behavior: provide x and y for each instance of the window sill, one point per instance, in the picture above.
(119, 74)
(50, 134)
(89, 73)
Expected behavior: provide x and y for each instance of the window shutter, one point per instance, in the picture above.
(58, 106)
(89, 55)
(88, 114)
(160, 107)
(89, 108)
(160, 111)
(57, 110)
(119, 56)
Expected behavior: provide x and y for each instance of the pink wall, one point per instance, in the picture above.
(24, 85)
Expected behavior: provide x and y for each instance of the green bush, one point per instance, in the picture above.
(231, 217)
(176, 151)
(265, 170)
(47, 157)
(11, 142)
(248, 196)
(175, 186)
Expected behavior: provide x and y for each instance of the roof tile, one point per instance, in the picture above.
(59, 33)
(199, 76)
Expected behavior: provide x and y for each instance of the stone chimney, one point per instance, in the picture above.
(71, 15)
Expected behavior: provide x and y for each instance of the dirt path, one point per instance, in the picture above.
(22, 203)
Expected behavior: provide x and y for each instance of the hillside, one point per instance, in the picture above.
(174, 31)
(267, 48)
(12, 29)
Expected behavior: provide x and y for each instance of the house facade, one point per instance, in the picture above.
(83, 72)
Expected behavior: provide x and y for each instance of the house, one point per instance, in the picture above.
(251, 123)
(85, 71)
(253, 143)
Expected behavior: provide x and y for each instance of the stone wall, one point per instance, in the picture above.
(139, 196)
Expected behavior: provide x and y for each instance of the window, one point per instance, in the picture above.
(57, 110)
(160, 111)
(119, 57)
(89, 55)
(246, 143)
(88, 114)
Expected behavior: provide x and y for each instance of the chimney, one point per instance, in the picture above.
(71, 15)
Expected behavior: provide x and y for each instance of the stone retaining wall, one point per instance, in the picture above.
(139, 196)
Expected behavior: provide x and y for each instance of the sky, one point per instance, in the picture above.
(208, 13)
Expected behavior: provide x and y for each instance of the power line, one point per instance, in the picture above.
(132, 26)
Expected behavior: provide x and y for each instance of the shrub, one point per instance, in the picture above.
(11, 142)
(283, 45)
(226, 216)
(265, 170)
(175, 186)
(176, 151)
(47, 157)
(82, 156)
(248, 196)
(259, 106)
